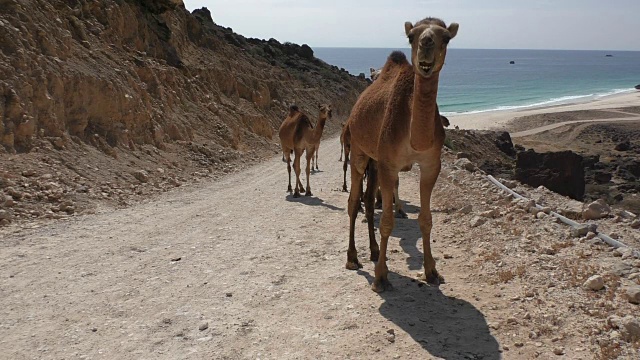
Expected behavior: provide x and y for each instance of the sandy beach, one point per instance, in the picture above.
(500, 119)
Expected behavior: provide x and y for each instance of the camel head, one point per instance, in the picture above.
(429, 39)
(325, 111)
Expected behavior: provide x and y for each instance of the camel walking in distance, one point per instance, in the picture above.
(298, 135)
(396, 123)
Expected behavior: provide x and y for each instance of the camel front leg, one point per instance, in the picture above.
(387, 182)
(296, 168)
(428, 177)
(308, 171)
(341, 151)
(400, 214)
(317, 150)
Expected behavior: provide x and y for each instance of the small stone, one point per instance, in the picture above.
(633, 294)
(141, 175)
(547, 250)
(580, 231)
(466, 209)
(541, 215)
(448, 256)
(477, 221)
(558, 351)
(203, 326)
(28, 173)
(635, 224)
(590, 235)
(465, 163)
(94, 329)
(518, 344)
(617, 253)
(228, 294)
(595, 282)
(490, 213)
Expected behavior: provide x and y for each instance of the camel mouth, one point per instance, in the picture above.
(425, 66)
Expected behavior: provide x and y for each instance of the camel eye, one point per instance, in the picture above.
(410, 36)
(446, 40)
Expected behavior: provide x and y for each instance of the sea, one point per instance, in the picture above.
(479, 80)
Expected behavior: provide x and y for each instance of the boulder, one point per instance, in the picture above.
(465, 163)
(504, 143)
(562, 172)
(596, 210)
(595, 283)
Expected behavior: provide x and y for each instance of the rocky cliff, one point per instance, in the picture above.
(104, 81)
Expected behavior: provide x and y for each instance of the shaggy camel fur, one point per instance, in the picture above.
(396, 123)
(297, 135)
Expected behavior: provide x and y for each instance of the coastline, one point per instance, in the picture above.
(500, 119)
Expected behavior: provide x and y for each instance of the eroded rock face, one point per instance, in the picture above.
(562, 172)
(125, 73)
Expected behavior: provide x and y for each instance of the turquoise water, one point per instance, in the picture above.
(476, 80)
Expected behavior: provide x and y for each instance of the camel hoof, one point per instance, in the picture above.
(296, 194)
(308, 193)
(375, 255)
(378, 205)
(401, 215)
(353, 265)
(289, 189)
(344, 188)
(433, 278)
(381, 285)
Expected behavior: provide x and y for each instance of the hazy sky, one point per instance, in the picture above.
(484, 24)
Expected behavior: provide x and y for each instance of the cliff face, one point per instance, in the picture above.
(112, 100)
(120, 73)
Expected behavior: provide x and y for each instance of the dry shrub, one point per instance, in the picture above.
(613, 283)
(521, 270)
(562, 245)
(504, 276)
(493, 255)
(579, 272)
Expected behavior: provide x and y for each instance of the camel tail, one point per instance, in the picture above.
(293, 109)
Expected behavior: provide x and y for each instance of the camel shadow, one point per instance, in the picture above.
(408, 230)
(445, 326)
(312, 201)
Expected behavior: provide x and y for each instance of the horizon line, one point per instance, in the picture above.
(461, 48)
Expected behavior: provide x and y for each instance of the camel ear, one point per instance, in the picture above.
(407, 27)
(453, 29)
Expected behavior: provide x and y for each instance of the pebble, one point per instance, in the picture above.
(466, 209)
(477, 221)
(558, 351)
(203, 326)
(633, 294)
(595, 282)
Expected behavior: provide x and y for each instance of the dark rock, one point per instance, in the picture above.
(623, 146)
(562, 172)
(601, 177)
(503, 142)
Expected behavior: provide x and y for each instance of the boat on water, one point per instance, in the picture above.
(638, 87)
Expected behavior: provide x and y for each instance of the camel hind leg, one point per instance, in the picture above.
(369, 197)
(296, 168)
(399, 213)
(288, 161)
(310, 153)
(357, 174)
(387, 183)
(317, 150)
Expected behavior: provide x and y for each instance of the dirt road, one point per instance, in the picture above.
(237, 269)
(540, 129)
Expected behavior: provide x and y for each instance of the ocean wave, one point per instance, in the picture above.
(563, 100)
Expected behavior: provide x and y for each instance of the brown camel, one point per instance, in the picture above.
(297, 135)
(396, 123)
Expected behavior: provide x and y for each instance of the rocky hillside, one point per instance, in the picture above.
(104, 98)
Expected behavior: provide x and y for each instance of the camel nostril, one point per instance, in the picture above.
(427, 41)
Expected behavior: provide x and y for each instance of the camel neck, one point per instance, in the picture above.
(317, 132)
(423, 112)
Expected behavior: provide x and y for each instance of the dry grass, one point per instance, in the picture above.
(579, 272)
(504, 276)
(609, 350)
(521, 271)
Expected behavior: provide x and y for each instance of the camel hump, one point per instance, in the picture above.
(397, 57)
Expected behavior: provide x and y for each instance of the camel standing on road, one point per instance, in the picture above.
(298, 135)
(396, 123)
